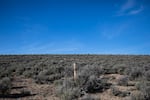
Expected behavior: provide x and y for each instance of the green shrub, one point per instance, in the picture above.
(68, 90)
(89, 97)
(95, 84)
(41, 77)
(67, 71)
(147, 75)
(52, 78)
(44, 78)
(28, 74)
(20, 70)
(144, 87)
(138, 96)
(71, 94)
(107, 70)
(87, 81)
(116, 92)
(146, 92)
(58, 82)
(85, 73)
(123, 81)
(5, 86)
(136, 73)
(119, 68)
(52, 69)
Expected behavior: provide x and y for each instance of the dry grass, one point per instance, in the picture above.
(23, 69)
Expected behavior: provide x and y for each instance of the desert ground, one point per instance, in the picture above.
(98, 77)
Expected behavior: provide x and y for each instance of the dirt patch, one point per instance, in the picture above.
(37, 91)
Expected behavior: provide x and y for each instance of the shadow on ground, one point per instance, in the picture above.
(16, 95)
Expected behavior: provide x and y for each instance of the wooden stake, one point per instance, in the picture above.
(75, 71)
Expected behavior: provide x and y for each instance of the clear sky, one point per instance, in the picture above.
(74, 26)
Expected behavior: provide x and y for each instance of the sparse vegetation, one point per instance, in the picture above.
(5, 86)
(90, 97)
(147, 75)
(117, 92)
(95, 84)
(136, 73)
(95, 75)
(67, 90)
(144, 87)
(138, 96)
(123, 81)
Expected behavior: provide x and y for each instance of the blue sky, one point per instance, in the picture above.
(74, 27)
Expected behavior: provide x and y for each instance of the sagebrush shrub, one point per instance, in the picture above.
(95, 84)
(5, 86)
(85, 73)
(123, 81)
(136, 73)
(67, 90)
(116, 92)
(87, 82)
(137, 96)
(41, 78)
(28, 74)
(90, 97)
(144, 87)
(147, 75)
(119, 68)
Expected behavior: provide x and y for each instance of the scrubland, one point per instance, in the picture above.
(51, 77)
